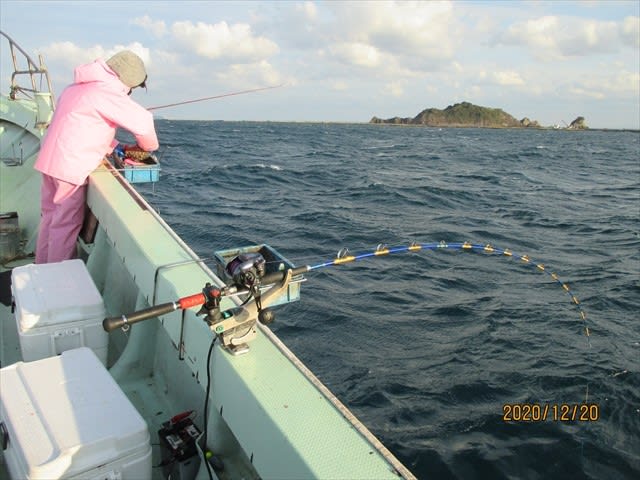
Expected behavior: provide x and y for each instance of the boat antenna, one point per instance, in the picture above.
(214, 97)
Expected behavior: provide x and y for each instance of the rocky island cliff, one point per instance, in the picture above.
(466, 114)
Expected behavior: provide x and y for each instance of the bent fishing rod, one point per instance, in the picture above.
(246, 275)
(243, 92)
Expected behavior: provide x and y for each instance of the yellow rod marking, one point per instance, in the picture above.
(339, 261)
(487, 248)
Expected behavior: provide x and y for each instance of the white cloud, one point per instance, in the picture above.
(359, 54)
(338, 85)
(395, 89)
(630, 31)
(473, 92)
(539, 34)
(413, 28)
(71, 55)
(457, 67)
(503, 78)
(583, 92)
(417, 34)
(157, 28)
(626, 82)
(552, 37)
(235, 42)
(260, 73)
(612, 82)
(589, 37)
(143, 52)
(308, 10)
(508, 78)
(62, 58)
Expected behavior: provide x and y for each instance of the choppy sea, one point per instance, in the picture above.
(431, 349)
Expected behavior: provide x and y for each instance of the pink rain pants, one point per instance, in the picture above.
(63, 206)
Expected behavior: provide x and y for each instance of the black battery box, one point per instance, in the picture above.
(179, 453)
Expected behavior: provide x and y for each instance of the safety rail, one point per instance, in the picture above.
(37, 74)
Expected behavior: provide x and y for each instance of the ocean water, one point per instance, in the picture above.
(431, 349)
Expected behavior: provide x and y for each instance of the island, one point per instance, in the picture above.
(466, 114)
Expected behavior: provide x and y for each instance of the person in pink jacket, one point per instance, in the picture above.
(81, 133)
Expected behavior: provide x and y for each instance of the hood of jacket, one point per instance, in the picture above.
(98, 71)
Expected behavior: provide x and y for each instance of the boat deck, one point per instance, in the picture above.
(267, 412)
(144, 393)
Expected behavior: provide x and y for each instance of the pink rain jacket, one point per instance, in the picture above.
(84, 124)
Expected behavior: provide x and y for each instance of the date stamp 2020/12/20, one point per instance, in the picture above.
(556, 412)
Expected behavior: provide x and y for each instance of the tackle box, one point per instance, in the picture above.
(57, 308)
(65, 417)
(274, 262)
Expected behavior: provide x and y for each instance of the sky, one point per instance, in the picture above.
(347, 61)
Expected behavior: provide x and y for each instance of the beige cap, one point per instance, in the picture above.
(129, 67)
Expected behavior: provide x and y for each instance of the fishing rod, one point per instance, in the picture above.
(246, 275)
(214, 97)
(344, 256)
(137, 154)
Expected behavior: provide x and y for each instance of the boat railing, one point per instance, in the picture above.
(37, 81)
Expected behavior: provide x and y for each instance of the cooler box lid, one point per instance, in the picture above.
(66, 415)
(52, 293)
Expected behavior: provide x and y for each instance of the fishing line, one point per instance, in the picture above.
(344, 256)
(214, 97)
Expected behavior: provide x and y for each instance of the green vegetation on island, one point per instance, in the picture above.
(466, 114)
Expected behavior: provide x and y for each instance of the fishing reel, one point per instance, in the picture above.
(236, 327)
(246, 270)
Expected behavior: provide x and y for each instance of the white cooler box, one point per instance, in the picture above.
(65, 417)
(58, 307)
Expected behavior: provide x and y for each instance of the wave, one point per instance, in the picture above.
(427, 348)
